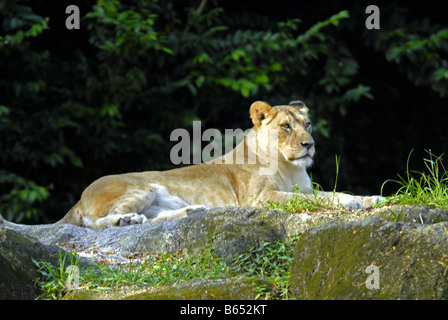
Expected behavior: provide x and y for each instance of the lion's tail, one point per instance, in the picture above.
(73, 216)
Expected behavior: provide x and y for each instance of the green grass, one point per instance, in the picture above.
(270, 262)
(54, 278)
(298, 203)
(422, 188)
(311, 203)
(429, 188)
(156, 270)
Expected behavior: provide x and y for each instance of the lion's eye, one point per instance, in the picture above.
(286, 126)
(308, 125)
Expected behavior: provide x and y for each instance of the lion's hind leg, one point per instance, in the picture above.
(125, 210)
(136, 206)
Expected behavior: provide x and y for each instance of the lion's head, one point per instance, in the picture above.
(295, 142)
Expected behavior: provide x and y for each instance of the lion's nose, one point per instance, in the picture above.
(307, 145)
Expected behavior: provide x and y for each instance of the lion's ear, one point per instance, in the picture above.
(299, 105)
(259, 111)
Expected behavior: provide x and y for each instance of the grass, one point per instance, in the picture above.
(299, 203)
(429, 188)
(56, 276)
(157, 270)
(422, 188)
(270, 262)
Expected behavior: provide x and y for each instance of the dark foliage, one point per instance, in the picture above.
(79, 104)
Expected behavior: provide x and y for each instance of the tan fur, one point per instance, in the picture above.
(157, 196)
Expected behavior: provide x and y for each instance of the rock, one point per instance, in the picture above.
(232, 231)
(220, 289)
(410, 259)
(408, 244)
(17, 271)
(416, 214)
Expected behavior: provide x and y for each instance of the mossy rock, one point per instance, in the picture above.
(324, 254)
(411, 259)
(17, 270)
(220, 289)
(412, 213)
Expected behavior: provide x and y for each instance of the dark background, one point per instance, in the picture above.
(79, 104)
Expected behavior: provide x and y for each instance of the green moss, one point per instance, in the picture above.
(330, 261)
(223, 289)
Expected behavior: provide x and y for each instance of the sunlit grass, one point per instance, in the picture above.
(429, 188)
(157, 269)
(309, 202)
(270, 262)
(422, 188)
(305, 202)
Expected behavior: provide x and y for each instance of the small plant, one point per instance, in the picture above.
(173, 267)
(427, 188)
(54, 278)
(272, 262)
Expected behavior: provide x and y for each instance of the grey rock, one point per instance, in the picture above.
(230, 231)
(17, 270)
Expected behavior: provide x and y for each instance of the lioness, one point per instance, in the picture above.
(158, 196)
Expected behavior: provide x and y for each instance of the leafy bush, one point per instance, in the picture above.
(126, 84)
(79, 104)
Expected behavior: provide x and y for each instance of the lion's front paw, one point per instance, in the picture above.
(360, 202)
(351, 203)
(369, 202)
(195, 209)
